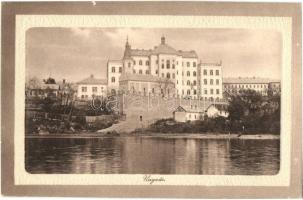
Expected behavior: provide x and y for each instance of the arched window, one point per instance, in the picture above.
(195, 92)
(134, 71)
(129, 65)
(147, 63)
(173, 75)
(194, 64)
(113, 79)
(168, 75)
(188, 92)
(140, 71)
(194, 73)
(162, 66)
(140, 62)
(168, 64)
(162, 75)
(120, 69)
(195, 83)
(188, 83)
(205, 81)
(188, 73)
(113, 69)
(173, 66)
(188, 64)
(211, 81)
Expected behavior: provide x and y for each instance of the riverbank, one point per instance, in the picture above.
(159, 135)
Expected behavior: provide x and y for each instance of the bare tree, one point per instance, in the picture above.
(163, 85)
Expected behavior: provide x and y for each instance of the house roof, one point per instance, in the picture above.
(248, 80)
(141, 77)
(140, 52)
(200, 109)
(50, 86)
(93, 81)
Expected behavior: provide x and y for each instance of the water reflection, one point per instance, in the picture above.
(140, 155)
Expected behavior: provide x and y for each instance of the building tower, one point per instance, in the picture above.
(127, 60)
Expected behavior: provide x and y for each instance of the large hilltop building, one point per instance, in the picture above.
(190, 77)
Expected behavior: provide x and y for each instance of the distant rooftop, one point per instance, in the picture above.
(91, 81)
(248, 80)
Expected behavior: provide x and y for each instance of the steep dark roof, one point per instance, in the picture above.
(198, 109)
(91, 81)
(160, 49)
(188, 54)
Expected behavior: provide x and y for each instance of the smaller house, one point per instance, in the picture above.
(217, 110)
(184, 114)
(91, 87)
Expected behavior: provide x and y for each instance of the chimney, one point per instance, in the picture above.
(162, 40)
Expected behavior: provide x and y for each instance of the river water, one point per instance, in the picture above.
(146, 155)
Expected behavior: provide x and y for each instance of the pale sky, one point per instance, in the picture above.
(74, 53)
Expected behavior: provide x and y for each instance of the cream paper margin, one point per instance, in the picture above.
(24, 22)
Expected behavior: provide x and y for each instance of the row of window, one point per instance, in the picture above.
(194, 92)
(141, 62)
(94, 89)
(167, 62)
(245, 86)
(114, 69)
(141, 72)
(211, 72)
(86, 96)
(211, 81)
(211, 91)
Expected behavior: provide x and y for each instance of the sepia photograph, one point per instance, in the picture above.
(152, 101)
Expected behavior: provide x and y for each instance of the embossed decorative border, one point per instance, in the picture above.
(10, 10)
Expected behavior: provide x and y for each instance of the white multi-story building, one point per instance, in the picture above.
(114, 70)
(261, 85)
(91, 87)
(210, 80)
(179, 67)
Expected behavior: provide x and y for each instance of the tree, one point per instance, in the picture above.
(164, 85)
(49, 81)
(33, 83)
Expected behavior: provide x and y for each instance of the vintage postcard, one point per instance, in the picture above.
(128, 103)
